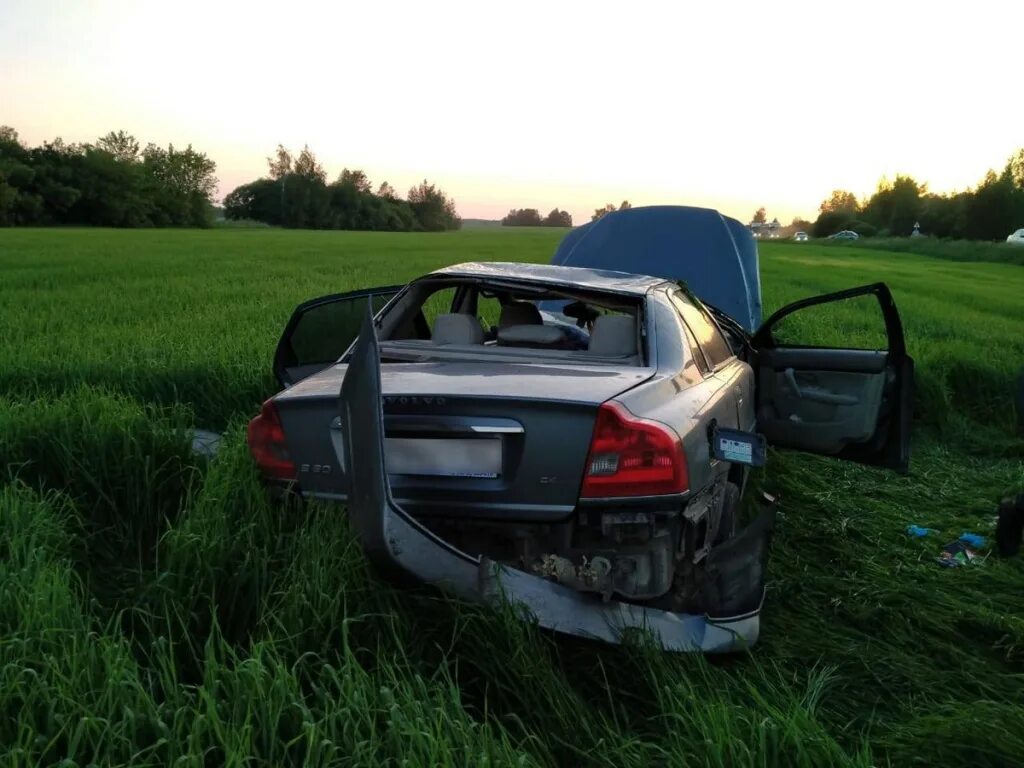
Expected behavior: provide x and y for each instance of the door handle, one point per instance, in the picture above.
(791, 380)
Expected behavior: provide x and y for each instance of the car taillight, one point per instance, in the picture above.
(267, 444)
(630, 456)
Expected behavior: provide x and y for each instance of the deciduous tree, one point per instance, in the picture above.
(434, 210)
(895, 206)
(355, 179)
(839, 200)
(124, 147)
(307, 165)
(522, 217)
(610, 208)
(281, 163)
(557, 218)
(1015, 167)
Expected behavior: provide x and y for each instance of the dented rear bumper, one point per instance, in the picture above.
(395, 542)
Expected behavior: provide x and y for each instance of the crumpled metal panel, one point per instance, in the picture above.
(396, 543)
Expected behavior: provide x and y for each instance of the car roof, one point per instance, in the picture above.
(574, 277)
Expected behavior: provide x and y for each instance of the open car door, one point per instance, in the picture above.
(850, 403)
(321, 330)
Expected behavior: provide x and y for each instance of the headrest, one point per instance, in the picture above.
(530, 336)
(457, 329)
(519, 313)
(613, 336)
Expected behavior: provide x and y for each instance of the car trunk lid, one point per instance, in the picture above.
(463, 439)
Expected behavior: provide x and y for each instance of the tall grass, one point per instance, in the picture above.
(159, 610)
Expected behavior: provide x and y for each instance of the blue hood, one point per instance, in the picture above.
(714, 255)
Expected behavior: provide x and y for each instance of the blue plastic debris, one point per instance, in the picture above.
(973, 540)
(918, 532)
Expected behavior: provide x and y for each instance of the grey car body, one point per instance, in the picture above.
(477, 461)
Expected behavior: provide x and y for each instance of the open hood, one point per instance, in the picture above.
(714, 255)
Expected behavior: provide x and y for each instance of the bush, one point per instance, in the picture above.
(833, 221)
(301, 201)
(525, 217)
(108, 184)
(863, 228)
(951, 250)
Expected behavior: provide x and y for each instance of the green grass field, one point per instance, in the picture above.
(155, 610)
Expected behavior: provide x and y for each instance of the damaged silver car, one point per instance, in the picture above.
(576, 437)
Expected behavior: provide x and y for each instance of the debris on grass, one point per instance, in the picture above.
(206, 443)
(919, 532)
(972, 540)
(957, 554)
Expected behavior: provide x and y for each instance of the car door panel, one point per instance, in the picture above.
(848, 403)
(814, 407)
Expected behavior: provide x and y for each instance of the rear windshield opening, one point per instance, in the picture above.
(484, 320)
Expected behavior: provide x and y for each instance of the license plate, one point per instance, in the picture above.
(738, 447)
(443, 457)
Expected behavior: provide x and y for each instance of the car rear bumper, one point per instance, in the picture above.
(398, 544)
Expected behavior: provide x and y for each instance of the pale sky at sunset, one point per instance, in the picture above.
(522, 104)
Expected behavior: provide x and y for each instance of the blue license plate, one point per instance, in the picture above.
(738, 447)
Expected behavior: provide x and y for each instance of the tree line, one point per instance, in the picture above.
(530, 217)
(990, 211)
(117, 182)
(296, 194)
(113, 182)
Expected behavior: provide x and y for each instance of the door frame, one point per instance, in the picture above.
(891, 447)
(284, 354)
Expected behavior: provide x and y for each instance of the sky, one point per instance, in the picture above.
(730, 105)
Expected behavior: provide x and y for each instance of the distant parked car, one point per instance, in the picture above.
(1017, 238)
(801, 237)
(846, 234)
